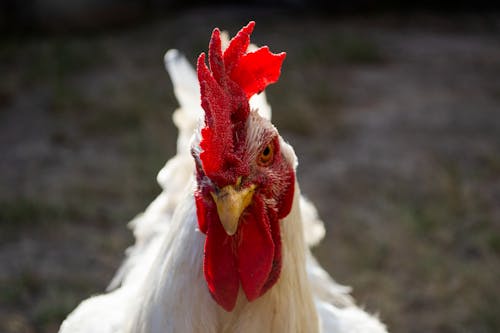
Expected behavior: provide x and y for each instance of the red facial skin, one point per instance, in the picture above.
(252, 256)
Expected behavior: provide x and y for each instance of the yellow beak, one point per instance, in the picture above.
(231, 203)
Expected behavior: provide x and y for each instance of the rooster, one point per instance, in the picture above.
(225, 246)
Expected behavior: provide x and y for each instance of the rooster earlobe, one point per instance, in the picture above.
(286, 201)
(201, 212)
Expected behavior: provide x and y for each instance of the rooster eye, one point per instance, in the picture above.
(266, 156)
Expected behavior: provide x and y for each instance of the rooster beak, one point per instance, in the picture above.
(231, 202)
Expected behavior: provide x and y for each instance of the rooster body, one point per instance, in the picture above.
(162, 286)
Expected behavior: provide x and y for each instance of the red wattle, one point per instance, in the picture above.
(255, 250)
(219, 265)
(252, 256)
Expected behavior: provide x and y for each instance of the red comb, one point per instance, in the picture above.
(234, 76)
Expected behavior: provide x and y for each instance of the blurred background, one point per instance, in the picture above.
(394, 112)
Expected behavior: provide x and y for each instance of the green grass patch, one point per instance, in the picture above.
(20, 289)
(66, 99)
(111, 121)
(355, 49)
(26, 211)
(60, 57)
(341, 48)
(54, 307)
(423, 218)
(18, 215)
(493, 241)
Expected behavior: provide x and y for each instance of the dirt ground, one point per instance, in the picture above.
(396, 122)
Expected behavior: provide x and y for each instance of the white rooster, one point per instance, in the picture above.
(225, 246)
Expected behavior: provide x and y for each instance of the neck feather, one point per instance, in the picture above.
(176, 297)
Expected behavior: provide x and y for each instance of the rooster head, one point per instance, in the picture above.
(245, 176)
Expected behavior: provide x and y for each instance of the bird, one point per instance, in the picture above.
(226, 246)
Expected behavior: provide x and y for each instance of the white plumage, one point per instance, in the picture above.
(160, 286)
